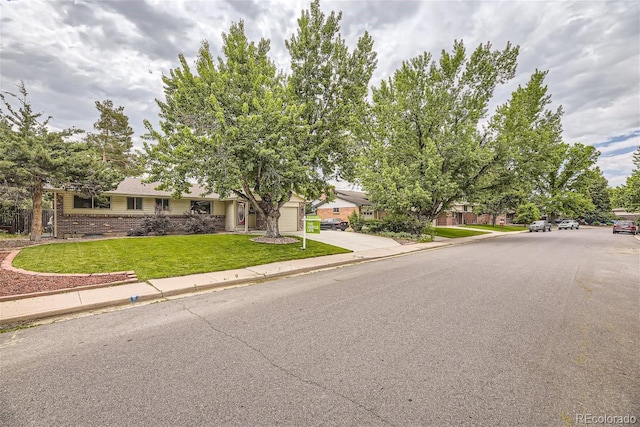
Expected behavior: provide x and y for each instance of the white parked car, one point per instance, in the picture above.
(568, 224)
(542, 225)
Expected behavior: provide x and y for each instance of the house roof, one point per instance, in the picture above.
(135, 187)
(358, 198)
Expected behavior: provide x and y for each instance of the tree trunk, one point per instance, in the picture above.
(272, 224)
(36, 222)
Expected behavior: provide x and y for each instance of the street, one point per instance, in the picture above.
(531, 329)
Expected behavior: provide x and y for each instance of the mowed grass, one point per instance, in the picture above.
(506, 228)
(166, 256)
(454, 233)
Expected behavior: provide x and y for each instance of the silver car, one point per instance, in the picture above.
(568, 224)
(541, 225)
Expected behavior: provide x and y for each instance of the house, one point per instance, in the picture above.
(116, 212)
(344, 204)
(458, 214)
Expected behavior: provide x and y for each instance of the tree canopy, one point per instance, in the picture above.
(238, 126)
(423, 148)
(563, 187)
(628, 195)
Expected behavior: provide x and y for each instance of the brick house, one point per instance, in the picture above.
(458, 214)
(345, 203)
(116, 212)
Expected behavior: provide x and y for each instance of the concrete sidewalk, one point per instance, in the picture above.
(73, 301)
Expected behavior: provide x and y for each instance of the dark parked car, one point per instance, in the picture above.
(541, 225)
(333, 224)
(625, 227)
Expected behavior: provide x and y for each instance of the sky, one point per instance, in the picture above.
(70, 54)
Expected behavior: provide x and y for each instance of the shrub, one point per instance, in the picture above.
(373, 226)
(158, 224)
(356, 221)
(526, 214)
(400, 225)
(198, 223)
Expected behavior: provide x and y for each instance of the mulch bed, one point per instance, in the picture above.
(14, 283)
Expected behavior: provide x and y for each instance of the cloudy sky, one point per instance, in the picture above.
(72, 53)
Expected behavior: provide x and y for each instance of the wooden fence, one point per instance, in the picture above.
(20, 220)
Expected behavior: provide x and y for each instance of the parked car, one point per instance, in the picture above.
(542, 225)
(625, 227)
(333, 224)
(568, 224)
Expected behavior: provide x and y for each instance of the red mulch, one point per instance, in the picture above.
(13, 283)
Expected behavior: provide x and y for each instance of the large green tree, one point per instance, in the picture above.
(423, 147)
(628, 195)
(113, 139)
(33, 157)
(238, 126)
(331, 84)
(600, 197)
(563, 188)
(523, 130)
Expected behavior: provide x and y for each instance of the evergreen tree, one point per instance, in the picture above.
(33, 157)
(113, 139)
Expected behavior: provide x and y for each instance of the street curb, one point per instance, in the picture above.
(157, 294)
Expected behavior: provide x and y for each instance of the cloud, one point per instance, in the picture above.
(73, 53)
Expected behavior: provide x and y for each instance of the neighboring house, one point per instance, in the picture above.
(461, 213)
(458, 214)
(116, 212)
(344, 204)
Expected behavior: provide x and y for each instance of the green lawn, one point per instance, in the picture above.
(498, 228)
(166, 256)
(453, 233)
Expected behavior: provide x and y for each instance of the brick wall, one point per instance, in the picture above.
(343, 215)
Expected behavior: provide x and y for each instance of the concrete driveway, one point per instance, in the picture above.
(350, 240)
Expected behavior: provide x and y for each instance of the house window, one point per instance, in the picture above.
(134, 203)
(464, 208)
(336, 210)
(162, 204)
(201, 207)
(101, 202)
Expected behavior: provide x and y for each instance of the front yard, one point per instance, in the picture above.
(166, 256)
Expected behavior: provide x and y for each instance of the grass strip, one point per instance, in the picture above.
(454, 233)
(165, 256)
(506, 228)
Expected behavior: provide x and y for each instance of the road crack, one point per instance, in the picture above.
(286, 371)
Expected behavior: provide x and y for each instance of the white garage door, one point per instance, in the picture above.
(288, 219)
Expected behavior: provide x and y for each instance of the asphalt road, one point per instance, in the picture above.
(533, 329)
